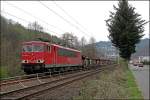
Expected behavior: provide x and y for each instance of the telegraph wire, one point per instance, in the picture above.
(70, 16)
(61, 17)
(34, 16)
(25, 20)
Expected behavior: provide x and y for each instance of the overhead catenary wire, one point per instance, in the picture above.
(63, 18)
(24, 20)
(35, 17)
(15, 16)
(71, 17)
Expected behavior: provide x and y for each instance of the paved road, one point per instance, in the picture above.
(141, 75)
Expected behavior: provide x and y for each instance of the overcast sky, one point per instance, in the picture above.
(87, 17)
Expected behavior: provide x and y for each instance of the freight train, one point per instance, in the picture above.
(38, 56)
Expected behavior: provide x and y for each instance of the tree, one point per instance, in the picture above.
(93, 50)
(76, 43)
(35, 26)
(70, 40)
(83, 42)
(126, 28)
(90, 49)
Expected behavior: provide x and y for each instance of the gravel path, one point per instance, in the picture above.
(141, 75)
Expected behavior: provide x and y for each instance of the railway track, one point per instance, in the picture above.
(16, 79)
(25, 78)
(16, 84)
(28, 92)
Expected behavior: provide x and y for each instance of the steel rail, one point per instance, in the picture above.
(25, 78)
(18, 90)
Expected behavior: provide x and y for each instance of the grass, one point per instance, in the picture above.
(6, 72)
(3, 72)
(118, 83)
(132, 86)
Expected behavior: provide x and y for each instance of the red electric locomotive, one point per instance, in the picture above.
(40, 56)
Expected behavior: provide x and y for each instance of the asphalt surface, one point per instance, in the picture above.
(141, 75)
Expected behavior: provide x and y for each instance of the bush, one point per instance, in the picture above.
(146, 62)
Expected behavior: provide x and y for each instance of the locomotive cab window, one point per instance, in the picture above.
(33, 48)
(38, 48)
(27, 48)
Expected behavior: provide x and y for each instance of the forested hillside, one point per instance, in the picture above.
(12, 35)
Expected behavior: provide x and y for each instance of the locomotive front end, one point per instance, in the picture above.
(33, 57)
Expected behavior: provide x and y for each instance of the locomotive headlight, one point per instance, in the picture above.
(40, 61)
(24, 61)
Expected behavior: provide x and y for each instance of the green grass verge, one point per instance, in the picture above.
(3, 72)
(6, 72)
(132, 88)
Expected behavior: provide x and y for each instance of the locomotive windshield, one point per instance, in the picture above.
(33, 48)
(38, 48)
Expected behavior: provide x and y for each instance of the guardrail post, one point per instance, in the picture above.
(38, 78)
(21, 83)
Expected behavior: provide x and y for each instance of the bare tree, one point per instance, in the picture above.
(91, 48)
(35, 26)
(70, 40)
(83, 42)
(76, 43)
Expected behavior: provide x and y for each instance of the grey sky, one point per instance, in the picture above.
(90, 14)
